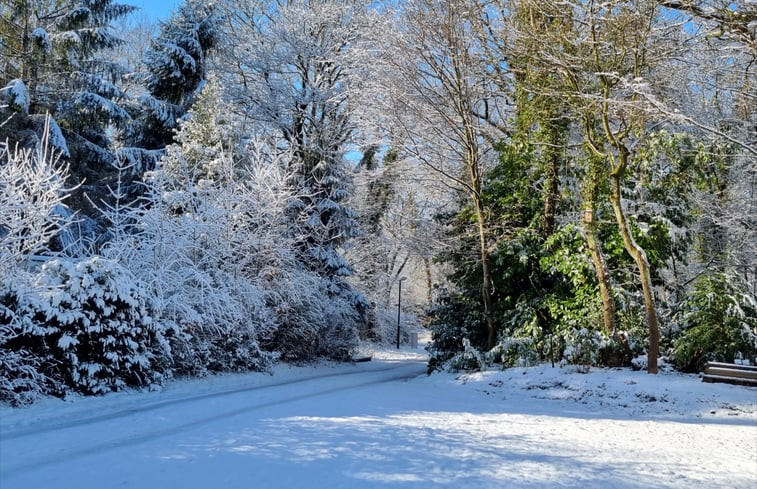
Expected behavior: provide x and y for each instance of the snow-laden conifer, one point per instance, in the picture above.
(175, 68)
(57, 52)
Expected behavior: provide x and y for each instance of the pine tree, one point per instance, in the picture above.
(203, 140)
(176, 67)
(55, 50)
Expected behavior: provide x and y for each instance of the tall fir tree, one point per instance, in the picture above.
(175, 69)
(55, 48)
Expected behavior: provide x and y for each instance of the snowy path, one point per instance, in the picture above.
(314, 385)
(26, 450)
(380, 425)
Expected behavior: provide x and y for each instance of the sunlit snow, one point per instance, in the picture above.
(385, 424)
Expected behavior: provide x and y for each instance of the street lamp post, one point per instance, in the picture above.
(399, 309)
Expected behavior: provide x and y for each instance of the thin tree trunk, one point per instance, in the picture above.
(591, 193)
(642, 262)
(486, 289)
(600, 267)
(429, 283)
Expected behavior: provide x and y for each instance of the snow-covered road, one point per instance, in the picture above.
(382, 425)
(52, 441)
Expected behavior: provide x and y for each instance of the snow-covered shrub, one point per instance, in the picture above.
(588, 347)
(196, 352)
(582, 347)
(20, 379)
(517, 352)
(453, 319)
(87, 323)
(339, 337)
(201, 242)
(719, 321)
(468, 360)
(32, 189)
(308, 322)
(183, 245)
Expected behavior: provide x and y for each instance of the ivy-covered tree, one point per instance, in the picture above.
(583, 175)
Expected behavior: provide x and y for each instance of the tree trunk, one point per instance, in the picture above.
(642, 262)
(600, 267)
(552, 174)
(486, 289)
(596, 174)
(429, 283)
(474, 171)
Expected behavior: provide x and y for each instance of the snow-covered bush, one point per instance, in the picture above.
(468, 360)
(582, 347)
(20, 379)
(87, 325)
(201, 242)
(453, 319)
(719, 320)
(589, 347)
(308, 322)
(517, 352)
(339, 337)
(32, 189)
(183, 245)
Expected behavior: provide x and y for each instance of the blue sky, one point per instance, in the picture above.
(154, 9)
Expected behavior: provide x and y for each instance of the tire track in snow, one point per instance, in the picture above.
(122, 413)
(406, 371)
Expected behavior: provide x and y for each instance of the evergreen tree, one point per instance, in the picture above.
(55, 49)
(176, 67)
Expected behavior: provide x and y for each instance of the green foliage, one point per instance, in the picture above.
(508, 193)
(518, 352)
(719, 321)
(454, 318)
(575, 304)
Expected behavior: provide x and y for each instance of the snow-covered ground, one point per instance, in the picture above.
(385, 424)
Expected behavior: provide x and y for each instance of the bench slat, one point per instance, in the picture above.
(729, 380)
(730, 372)
(750, 368)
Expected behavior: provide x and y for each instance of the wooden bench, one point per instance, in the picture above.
(730, 373)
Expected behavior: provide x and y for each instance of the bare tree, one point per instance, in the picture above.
(439, 103)
(32, 188)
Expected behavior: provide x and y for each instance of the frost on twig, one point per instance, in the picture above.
(32, 188)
